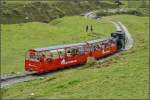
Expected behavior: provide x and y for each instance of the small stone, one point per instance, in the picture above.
(32, 94)
(18, 72)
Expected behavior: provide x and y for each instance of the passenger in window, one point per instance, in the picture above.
(94, 47)
(37, 57)
(73, 52)
(69, 53)
(61, 54)
(42, 58)
(49, 57)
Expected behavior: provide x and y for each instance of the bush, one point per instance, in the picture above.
(134, 12)
(90, 62)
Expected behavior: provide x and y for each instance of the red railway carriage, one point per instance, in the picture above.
(52, 58)
(101, 48)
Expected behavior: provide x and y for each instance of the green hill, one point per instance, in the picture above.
(18, 38)
(125, 76)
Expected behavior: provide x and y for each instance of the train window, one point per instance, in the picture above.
(102, 45)
(96, 46)
(81, 49)
(87, 49)
(48, 55)
(112, 41)
(61, 53)
(68, 52)
(72, 51)
(54, 54)
(32, 56)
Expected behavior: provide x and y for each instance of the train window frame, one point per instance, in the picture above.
(81, 50)
(48, 55)
(112, 42)
(71, 54)
(86, 49)
(95, 46)
(36, 57)
(54, 54)
(68, 52)
(61, 52)
(100, 46)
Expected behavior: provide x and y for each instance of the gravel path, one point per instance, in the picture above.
(129, 39)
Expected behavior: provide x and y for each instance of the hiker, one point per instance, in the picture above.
(87, 28)
(91, 28)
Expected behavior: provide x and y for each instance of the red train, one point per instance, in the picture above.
(42, 60)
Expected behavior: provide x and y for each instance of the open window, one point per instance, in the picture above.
(32, 56)
(87, 49)
(61, 53)
(72, 51)
(48, 55)
(54, 54)
(96, 46)
(81, 50)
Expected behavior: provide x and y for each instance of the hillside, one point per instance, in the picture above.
(45, 11)
(125, 76)
(22, 11)
(18, 38)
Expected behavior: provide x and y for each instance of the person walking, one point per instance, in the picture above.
(91, 28)
(87, 27)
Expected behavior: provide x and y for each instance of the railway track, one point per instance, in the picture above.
(9, 80)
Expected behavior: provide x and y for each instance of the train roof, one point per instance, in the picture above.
(69, 45)
(59, 47)
(98, 40)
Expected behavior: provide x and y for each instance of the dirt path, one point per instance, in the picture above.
(128, 38)
(90, 15)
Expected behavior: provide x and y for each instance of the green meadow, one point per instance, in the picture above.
(125, 76)
(17, 39)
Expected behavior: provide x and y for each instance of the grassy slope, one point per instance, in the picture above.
(43, 11)
(18, 38)
(123, 76)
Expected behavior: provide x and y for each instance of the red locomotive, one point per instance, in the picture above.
(52, 58)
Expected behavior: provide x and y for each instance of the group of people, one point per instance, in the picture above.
(89, 28)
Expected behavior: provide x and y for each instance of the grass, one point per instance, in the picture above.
(18, 38)
(125, 76)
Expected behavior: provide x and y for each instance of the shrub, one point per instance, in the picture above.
(134, 12)
(90, 62)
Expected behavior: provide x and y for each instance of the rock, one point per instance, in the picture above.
(32, 94)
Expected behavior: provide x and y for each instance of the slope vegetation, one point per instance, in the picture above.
(123, 77)
(18, 38)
